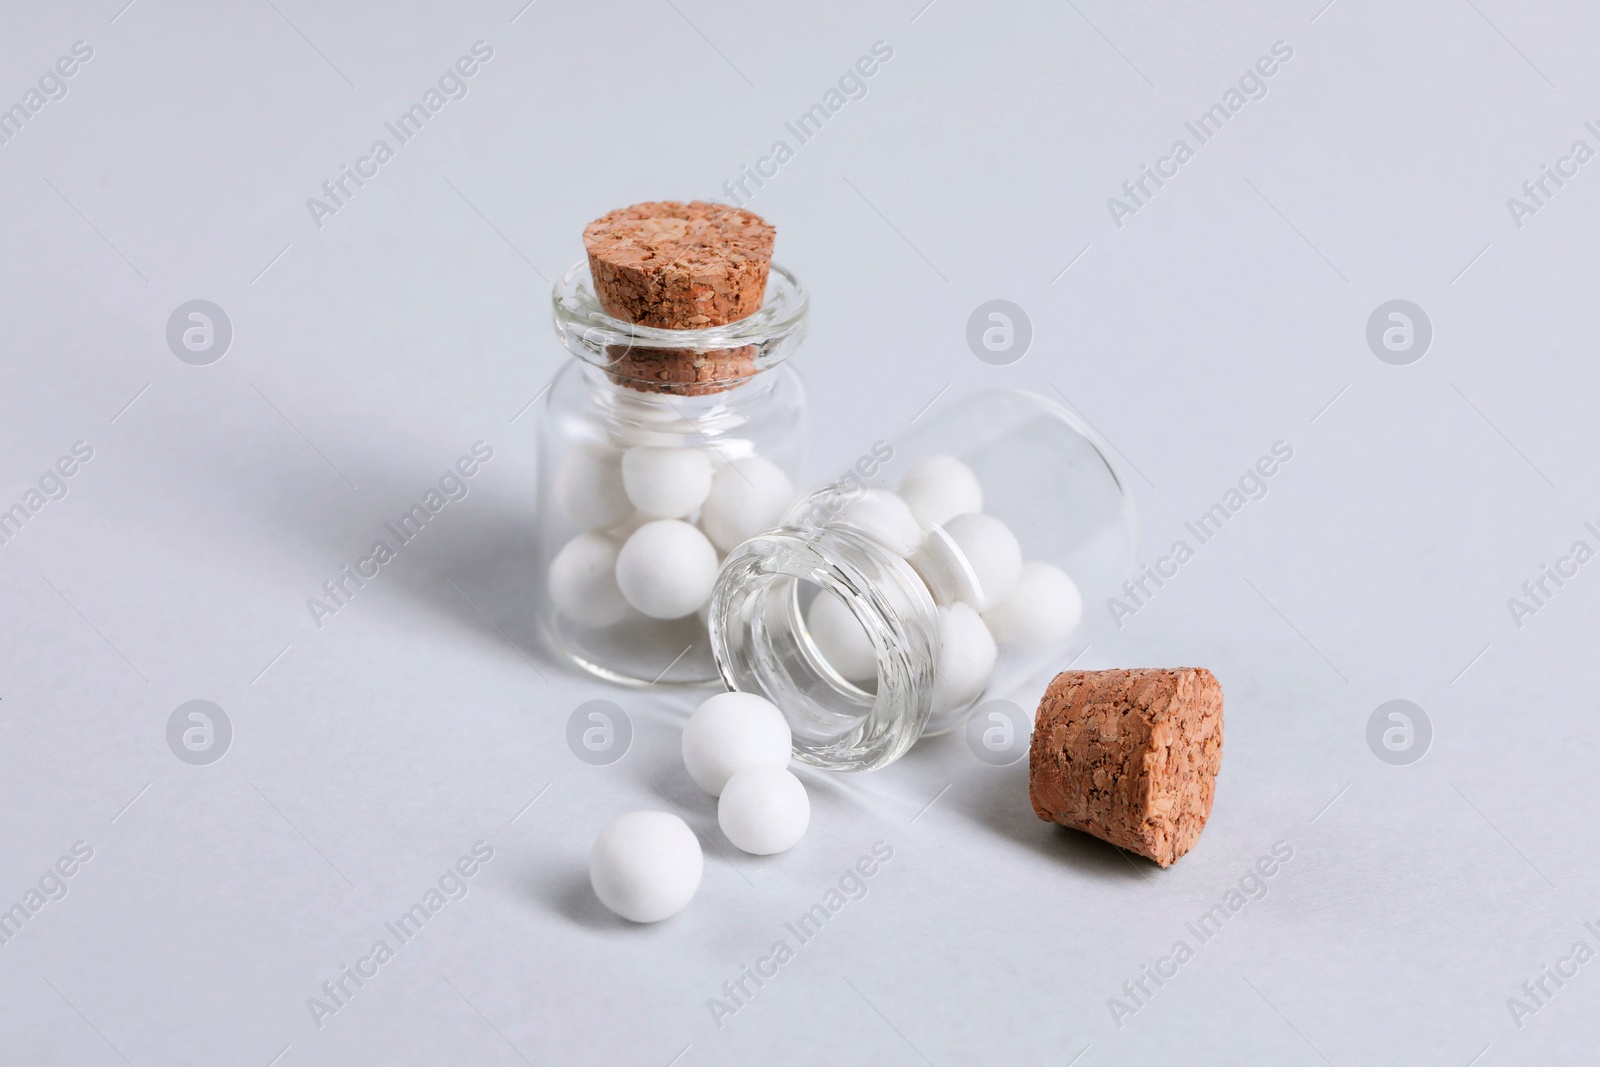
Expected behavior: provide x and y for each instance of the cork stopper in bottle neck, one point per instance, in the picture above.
(671, 265)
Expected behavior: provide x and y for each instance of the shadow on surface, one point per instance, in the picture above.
(997, 798)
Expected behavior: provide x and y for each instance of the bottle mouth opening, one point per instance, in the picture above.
(685, 362)
(762, 643)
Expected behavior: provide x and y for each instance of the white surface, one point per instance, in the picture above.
(371, 754)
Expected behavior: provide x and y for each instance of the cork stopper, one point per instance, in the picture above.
(680, 266)
(1130, 756)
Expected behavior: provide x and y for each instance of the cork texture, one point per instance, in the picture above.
(678, 266)
(1130, 756)
(679, 372)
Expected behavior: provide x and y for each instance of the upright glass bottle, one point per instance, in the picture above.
(872, 617)
(690, 439)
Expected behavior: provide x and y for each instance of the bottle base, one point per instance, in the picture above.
(680, 662)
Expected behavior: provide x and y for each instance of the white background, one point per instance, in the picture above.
(368, 354)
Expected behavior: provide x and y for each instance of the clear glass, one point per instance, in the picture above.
(918, 596)
(725, 394)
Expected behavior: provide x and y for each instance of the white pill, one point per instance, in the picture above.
(666, 569)
(993, 557)
(841, 639)
(583, 581)
(940, 488)
(731, 732)
(648, 422)
(646, 865)
(1041, 611)
(588, 487)
(883, 517)
(764, 810)
(666, 483)
(966, 658)
(747, 496)
(624, 529)
(723, 450)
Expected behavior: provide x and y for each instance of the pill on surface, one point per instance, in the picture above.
(994, 559)
(666, 569)
(666, 483)
(882, 516)
(588, 487)
(1042, 610)
(940, 488)
(646, 865)
(583, 581)
(841, 639)
(747, 496)
(764, 810)
(731, 732)
(966, 658)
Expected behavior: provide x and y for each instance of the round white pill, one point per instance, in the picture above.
(583, 581)
(588, 487)
(747, 496)
(764, 810)
(994, 559)
(940, 488)
(1041, 611)
(666, 483)
(731, 732)
(883, 517)
(966, 657)
(841, 639)
(644, 419)
(646, 865)
(722, 450)
(666, 569)
(624, 529)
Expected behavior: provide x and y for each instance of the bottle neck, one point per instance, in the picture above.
(762, 645)
(604, 382)
(680, 363)
(666, 418)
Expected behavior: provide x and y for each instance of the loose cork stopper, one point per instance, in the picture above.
(680, 266)
(1130, 756)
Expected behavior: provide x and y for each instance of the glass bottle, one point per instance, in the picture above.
(689, 440)
(931, 611)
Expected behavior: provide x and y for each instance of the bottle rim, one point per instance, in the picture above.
(761, 645)
(761, 340)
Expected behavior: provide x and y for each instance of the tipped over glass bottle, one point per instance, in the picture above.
(659, 451)
(874, 616)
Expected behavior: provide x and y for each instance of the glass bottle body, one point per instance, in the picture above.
(659, 451)
(971, 574)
